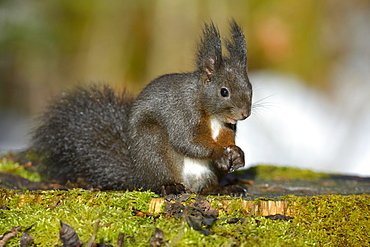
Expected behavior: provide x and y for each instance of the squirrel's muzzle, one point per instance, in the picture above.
(244, 113)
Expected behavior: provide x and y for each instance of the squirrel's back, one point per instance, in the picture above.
(83, 135)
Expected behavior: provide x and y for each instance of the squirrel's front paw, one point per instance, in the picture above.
(232, 159)
(236, 156)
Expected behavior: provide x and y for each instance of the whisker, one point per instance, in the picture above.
(267, 97)
(261, 107)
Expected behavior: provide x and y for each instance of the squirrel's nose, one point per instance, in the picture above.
(245, 114)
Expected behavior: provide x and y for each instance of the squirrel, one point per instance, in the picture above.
(176, 136)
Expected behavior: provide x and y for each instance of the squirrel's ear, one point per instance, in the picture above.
(209, 52)
(237, 47)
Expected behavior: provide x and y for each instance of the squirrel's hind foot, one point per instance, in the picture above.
(231, 190)
(172, 189)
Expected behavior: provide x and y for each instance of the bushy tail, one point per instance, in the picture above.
(83, 134)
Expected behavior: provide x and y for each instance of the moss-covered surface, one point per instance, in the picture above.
(321, 218)
(330, 220)
(273, 182)
(25, 170)
(276, 173)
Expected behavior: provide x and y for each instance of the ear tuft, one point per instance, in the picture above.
(209, 57)
(236, 46)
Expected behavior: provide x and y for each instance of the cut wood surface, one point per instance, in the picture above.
(256, 208)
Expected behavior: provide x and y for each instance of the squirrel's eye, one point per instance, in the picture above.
(224, 92)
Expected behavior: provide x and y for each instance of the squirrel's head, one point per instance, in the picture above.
(225, 84)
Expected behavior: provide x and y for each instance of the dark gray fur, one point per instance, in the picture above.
(116, 142)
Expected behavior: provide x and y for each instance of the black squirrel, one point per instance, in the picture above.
(178, 135)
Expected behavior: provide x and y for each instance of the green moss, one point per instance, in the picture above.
(318, 221)
(332, 219)
(78, 208)
(276, 173)
(25, 171)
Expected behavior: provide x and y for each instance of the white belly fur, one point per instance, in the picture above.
(196, 172)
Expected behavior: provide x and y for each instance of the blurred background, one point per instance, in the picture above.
(309, 63)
